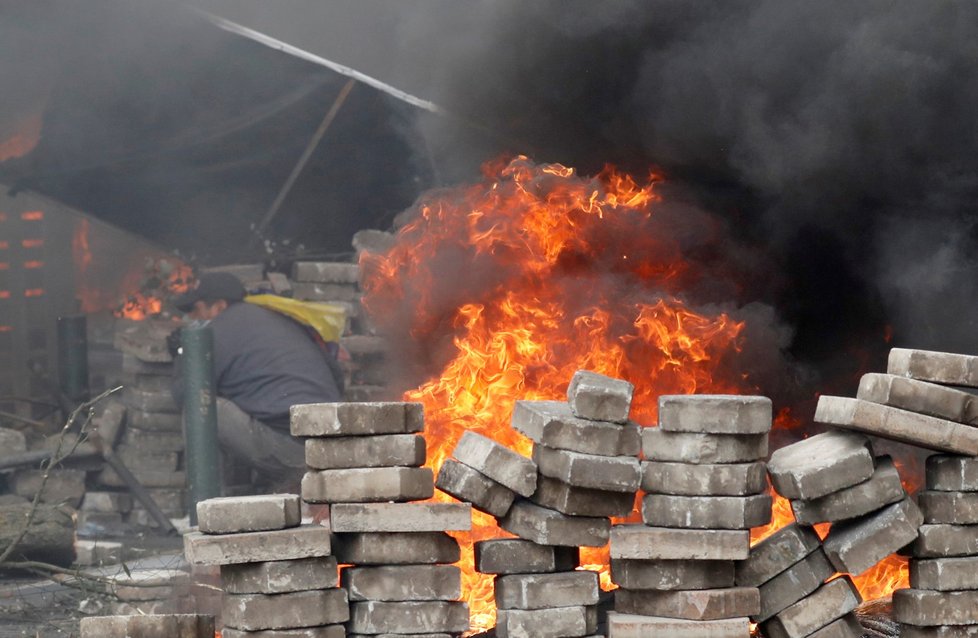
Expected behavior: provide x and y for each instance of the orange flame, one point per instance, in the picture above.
(24, 140)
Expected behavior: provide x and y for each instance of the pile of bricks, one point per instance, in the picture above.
(364, 462)
(149, 626)
(704, 480)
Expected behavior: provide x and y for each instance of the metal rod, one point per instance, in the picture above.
(73, 357)
(200, 416)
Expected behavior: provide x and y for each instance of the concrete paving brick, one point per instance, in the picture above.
(635, 626)
(776, 553)
(438, 635)
(684, 479)
(944, 574)
(63, 486)
(706, 512)
(150, 584)
(97, 552)
(148, 478)
(326, 272)
(158, 421)
(846, 627)
(311, 291)
(517, 556)
(793, 584)
(232, 514)
(670, 575)
(151, 440)
(558, 622)
(949, 508)
(610, 473)
(323, 631)
(368, 485)
(658, 543)
(149, 400)
(305, 541)
(354, 419)
(133, 365)
(471, 486)
(948, 631)
(400, 517)
(12, 441)
(412, 617)
(882, 489)
(919, 396)
(402, 582)
(383, 450)
(898, 425)
(550, 527)
(553, 424)
(498, 462)
(700, 604)
(581, 501)
(952, 473)
(280, 576)
(143, 460)
(938, 541)
(109, 418)
(599, 398)
(820, 465)
(937, 367)
(715, 413)
(254, 612)
(928, 608)
(541, 591)
(827, 604)
(855, 546)
(170, 500)
(396, 548)
(149, 626)
(697, 448)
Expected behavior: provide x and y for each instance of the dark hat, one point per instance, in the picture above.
(211, 286)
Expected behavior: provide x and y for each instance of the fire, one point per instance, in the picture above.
(24, 140)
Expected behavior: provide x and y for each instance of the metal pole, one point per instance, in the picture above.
(73, 357)
(200, 416)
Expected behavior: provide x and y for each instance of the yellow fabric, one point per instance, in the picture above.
(326, 319)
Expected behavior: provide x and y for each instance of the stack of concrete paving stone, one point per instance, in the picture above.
(149, 626)
(151, 591)
(704, 481)
(364, 462)
(943, 598)
(279, 577)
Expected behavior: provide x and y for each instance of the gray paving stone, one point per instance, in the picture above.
(232, 514)
(599, 397)
(148, 478)
(149, 400)
(882, 489)
(793, 584)
(937, 541)
(541, 591)
(948, 631)
(684, 479)
(400, 517)
(151, 440)
(551, 423)
(326, 272)
(549, 527)
(697, 448)
(402, 582)
(899, 425)
(413, 617)
(498, 462)
(855, 546)
(827, 604)
(149, 626)
(305, 541)
(133, 365)
(253, 612)
(63, 486)
(159, 421)
(944, 574)
(776, 553)
(581, 501)
(150, 584)
(938, 367)
(323, 631)
(312, 291)
(396, 548)
(12, 441)
(609, 473)
(471, 486)
(820, 465)
(96, 552)
(952, 473)
(383, 450)
(658, 543)
(846, 627)
(670, 575)
(919, 396)
(280, 576)
(517, 556)
(715, 413)
(635, 626)
(706, 512)
(109, 419)
(701, 604)
(928, 608)
(558, 622)
(949, 508)
(145, 460)
(368, 485)
(353, 419)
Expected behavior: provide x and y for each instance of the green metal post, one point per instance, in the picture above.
(73, 357)
(200, 416)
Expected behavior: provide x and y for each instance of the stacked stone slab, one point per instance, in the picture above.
(148, 626)
(704, 479)
(364, 461)
(279, 577)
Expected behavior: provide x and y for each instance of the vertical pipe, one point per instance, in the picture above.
(73, 357)
(200, 416)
